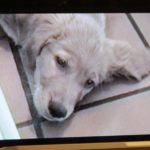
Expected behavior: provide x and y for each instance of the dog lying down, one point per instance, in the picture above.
(67, 55)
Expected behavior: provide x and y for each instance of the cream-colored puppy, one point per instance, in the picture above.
(67, 55)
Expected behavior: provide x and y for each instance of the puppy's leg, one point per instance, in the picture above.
(129, 61)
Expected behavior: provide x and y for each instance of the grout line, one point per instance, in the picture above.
(137, 29)
(29, 122)
(24, 124)
(27, 90)
(111, 99)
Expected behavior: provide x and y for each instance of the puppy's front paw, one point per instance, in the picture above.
(130, 61)
(138, 64)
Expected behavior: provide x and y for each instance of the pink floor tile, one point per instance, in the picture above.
(11, 84)
(143, 22)
(27, 132)
(119, 28)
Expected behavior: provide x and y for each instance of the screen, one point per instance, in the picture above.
(74, 75)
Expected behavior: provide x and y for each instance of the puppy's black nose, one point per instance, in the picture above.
(57, 110)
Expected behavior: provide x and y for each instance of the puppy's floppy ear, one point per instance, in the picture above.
(9, 24)
(127, 60)
(35, 44)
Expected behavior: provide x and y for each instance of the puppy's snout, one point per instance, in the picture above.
(57, 110)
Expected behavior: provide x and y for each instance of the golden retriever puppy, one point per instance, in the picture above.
(67, 55)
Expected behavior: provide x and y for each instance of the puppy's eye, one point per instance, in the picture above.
(61, 62)
(89, 83)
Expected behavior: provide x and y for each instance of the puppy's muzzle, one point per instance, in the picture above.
(57, 110)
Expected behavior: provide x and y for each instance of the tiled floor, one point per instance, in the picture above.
(127, 114)
(142, 21)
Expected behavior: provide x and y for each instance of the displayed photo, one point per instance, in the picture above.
(74, 75)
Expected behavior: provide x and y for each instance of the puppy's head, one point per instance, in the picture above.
(67, 68)
(67, 55)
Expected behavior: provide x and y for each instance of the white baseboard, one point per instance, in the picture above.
(8, 128)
